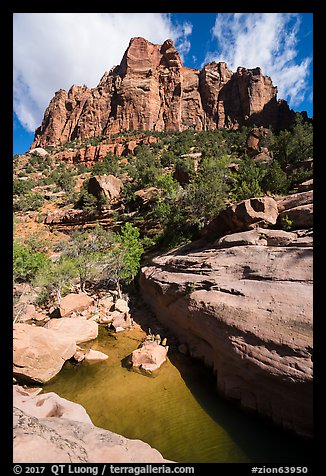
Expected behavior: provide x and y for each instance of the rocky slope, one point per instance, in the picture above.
(243, 304)
(152, 90)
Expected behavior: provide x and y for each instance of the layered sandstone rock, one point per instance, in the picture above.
(243, 304)
(152, 90)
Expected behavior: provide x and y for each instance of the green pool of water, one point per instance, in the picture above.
(178, 412)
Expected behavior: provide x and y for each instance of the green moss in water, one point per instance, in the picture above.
(178, 412)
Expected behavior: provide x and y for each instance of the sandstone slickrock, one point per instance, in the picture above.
(48, 405)
(74, 303)
(39, 353)
(78, 329)
(246, 311)
(66, 435)
(152, 90)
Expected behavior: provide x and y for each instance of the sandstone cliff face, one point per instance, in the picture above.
(243, 305)
(152, 90)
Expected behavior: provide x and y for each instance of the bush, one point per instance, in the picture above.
(206, 195)
(29, 202)
(294, 146)
(27, 263)
(132, 251)
(21, 187)
(109, 165)
(63, 177)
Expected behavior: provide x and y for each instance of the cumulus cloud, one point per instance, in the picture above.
(55, 50)
(268, 40)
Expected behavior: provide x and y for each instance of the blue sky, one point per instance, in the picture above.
(55, 50)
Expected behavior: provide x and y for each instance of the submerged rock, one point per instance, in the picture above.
(95, 356)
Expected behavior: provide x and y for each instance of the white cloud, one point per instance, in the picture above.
(268, 40)
(55, 50)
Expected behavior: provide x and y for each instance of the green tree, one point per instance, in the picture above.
(296, 145)
(206, 195)
(132, 250)
(247, 180)
(275, 180)
(28, 201)
(63, 177)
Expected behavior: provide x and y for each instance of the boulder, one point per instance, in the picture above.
(149, 357)
(243, 215)
(109, 185)
(39, 151)
(120, 320)
(39, 353)
(301, 217)
(145, 195)
(107, 303)
(122, 306)
(80, 330)
(75, 303)
(294, 200)
(306, 186)
(27, 312)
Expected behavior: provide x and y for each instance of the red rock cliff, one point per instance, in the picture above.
(152, 90)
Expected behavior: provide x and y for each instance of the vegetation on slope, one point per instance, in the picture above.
(191, 176)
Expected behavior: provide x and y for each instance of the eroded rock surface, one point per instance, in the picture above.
(244, 306)
(50, 429)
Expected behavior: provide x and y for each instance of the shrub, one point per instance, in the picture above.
(27, 263)
(29, 202)
(56, 278)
